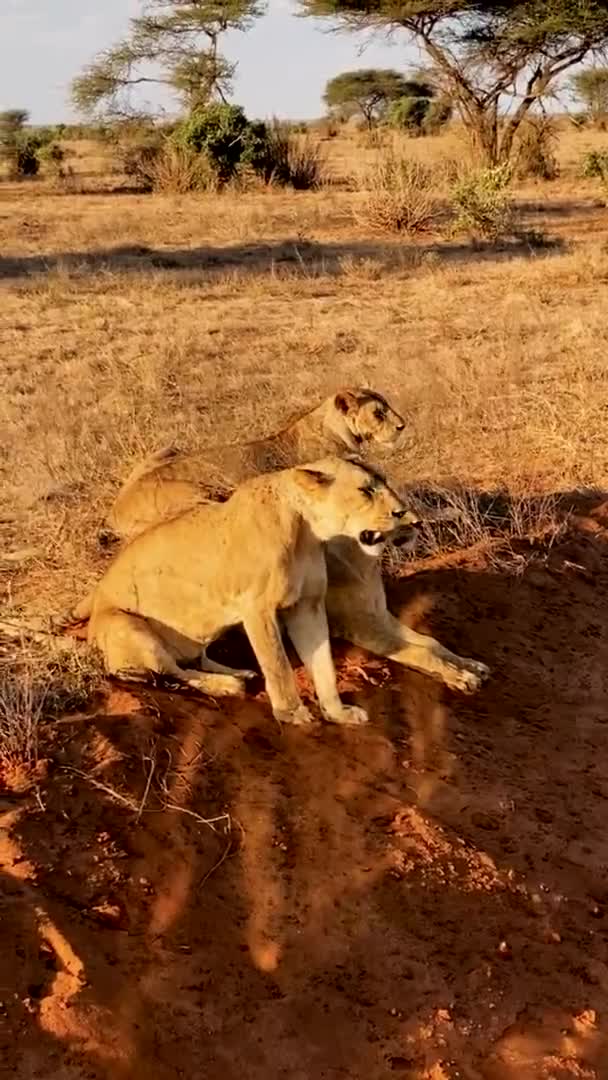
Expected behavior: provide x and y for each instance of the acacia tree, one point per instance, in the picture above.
(591, 88)
(495, 60)
(175, 43)
(367, 90)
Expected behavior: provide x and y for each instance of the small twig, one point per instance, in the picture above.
(39, 798)
(216, 865)
(147, 787)
(198, 817)
(116, 795)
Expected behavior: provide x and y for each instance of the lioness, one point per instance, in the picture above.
(257, 559)
(169, 481)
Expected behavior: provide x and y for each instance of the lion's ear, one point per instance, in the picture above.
(345, 401)
(313, 480)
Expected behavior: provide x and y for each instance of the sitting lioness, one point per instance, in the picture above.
(257, 559)
(169, 481)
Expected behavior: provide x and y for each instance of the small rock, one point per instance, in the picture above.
(107, 913)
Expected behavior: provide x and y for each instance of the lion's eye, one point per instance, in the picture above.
(369, 492)
(379, 414)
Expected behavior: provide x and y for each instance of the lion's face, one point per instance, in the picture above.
(348, 499)
(370, 418)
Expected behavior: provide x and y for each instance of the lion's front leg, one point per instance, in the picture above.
(386, 636)
(264, 633)
(307, 627)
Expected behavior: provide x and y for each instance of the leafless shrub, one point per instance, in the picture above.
(398, 196)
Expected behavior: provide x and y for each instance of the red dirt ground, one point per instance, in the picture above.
(423, 898)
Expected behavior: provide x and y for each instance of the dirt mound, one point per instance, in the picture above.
(193, 893)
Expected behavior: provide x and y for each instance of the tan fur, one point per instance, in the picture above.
(357, 611)
(168, 481)
(259, 560)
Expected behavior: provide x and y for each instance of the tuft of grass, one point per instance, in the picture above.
(292, 158)
(38, 683)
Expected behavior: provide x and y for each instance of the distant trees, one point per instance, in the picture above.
(495, 60)
(590, 87)
(379, 94)
(175, 43)
(367, 91)
(420, 111)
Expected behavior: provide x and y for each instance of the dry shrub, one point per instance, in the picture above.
(138, 161)
(536, 149)
(37, 683)
(306, 166)
(496, 522)
(399, 195)
(291, 158)
(177, 170)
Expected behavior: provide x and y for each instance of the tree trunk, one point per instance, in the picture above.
(482, 129)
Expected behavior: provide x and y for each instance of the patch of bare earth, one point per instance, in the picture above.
(194, 892)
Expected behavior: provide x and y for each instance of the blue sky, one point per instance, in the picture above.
(283, 63)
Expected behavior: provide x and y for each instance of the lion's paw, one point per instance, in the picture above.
(298, 717)
(349, 715)
(466, 675)
(217, 685)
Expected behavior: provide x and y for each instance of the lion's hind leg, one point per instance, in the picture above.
(384, 635)
(132, 650)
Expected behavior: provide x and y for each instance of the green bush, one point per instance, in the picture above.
(482, 203)
(226, 137)
(18, 144)
(438, 114)
(27, 161)
(52, 156)
(595, 165)
(408, 113)
(418, 114)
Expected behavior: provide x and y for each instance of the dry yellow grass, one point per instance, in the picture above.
(128, 321)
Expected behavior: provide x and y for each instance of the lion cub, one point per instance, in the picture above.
(258, 560)
(170, 481)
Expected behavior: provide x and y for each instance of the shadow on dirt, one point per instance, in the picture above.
(424, 897)
(304, 258)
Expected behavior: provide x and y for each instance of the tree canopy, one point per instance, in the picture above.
(174, 43)
(369, 91)
(492, 58)
(590, 87)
